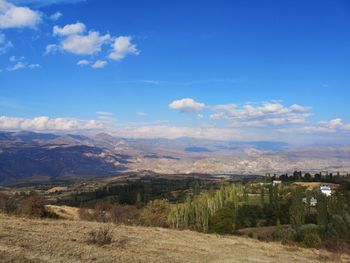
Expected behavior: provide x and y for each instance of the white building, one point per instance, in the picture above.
(311, 200)
(326, 190)
(276, 182)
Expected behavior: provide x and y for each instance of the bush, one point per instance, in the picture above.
(101, 212)
(222, 221)
(312, 240)
(124, 214)
(33, 206)
(155, 213)
(248, 216)
(86, 214)
(101, 236)
(309, 229)
(7, 204)
(337, 227)
(284, 235)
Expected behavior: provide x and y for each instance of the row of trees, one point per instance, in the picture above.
(196, 211)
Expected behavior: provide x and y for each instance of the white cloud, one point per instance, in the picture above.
(106, 117)
(33, 66)
(104, 113)
(74, 39)
(70, 29)
(17, 66)
(141, 114)
(4, 44)
(85, 44)
(83, 62)
(99, 64)
(334, 125)
(299, 108)
(173, 132)
(45, 123)
(20, 63)
(187, 105)
(12, 16)
(265, 114)
(56, 16)
(43, 3)
(122, 47)
(51, 49)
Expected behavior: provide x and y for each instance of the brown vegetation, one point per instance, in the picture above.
(46, 240)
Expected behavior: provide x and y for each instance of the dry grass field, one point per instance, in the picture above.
(34, 240)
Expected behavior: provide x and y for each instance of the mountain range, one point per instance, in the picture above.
(30, 156)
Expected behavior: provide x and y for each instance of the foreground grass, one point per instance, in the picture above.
(33, 240)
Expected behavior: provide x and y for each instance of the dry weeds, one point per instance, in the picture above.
(33, 240)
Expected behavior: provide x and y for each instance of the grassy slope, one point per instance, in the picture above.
(27, 240)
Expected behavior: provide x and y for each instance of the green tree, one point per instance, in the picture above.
(297, 209)
(138, 203)
(322, 214)
(262, 195)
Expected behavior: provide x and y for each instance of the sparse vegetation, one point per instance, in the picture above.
(282, 213)
(100, 236)
(57, 241)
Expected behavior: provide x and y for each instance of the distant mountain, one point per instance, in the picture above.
(196, 149)
(25, 155)
(28, 155)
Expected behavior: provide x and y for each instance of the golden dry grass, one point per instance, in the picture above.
(33, 240)
(64, 212)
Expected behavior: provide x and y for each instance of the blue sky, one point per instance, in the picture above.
(274, 70)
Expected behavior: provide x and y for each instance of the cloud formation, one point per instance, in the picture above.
(83, 62)
(74, 39)
(42, 3)
(104, 113)
(141, 114)
(44, 123)
(56, 16)
(20, 63)
(12, 16)
(4, 44)
(99, 64)
(69, 29)
(85, 44)
(122, 47)
(331, 126)
(187, 105)
(265, 114)
(173, 132)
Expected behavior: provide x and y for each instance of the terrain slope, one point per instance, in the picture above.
(33, 240)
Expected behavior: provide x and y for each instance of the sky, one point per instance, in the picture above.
(226, 69)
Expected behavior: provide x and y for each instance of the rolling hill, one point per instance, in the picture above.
(33, 240)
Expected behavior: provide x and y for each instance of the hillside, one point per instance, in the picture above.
(27, 240)
(44, 157)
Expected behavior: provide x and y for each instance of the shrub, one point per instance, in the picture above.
(7, 204)
(284, 235)
(101, 236)
(222, 221)
(124, 214)
(101, 212)
(248, 216)
(86, 214)
(308, 229)
(33, 206)
(312, 240)
(155, 213)
(337, 228)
